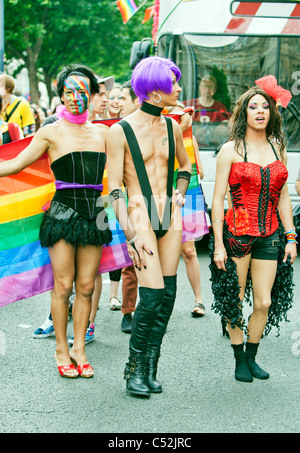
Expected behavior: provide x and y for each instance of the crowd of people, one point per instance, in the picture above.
(140, 150)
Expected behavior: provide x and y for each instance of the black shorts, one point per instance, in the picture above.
(261, 248)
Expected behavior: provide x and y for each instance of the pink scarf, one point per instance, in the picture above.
(62, 112)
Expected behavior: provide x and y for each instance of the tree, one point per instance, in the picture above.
(24, 33)
(47, 34)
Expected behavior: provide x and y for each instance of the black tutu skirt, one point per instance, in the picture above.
(63, 222)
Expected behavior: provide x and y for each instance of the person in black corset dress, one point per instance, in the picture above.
(141, 152)
(75, 226)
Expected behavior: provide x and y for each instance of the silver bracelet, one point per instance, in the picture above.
(132, 241)
(220, 253)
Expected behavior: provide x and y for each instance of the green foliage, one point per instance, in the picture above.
(222, 93)
(49, 34)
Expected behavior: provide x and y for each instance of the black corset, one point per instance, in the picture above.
(83, 167)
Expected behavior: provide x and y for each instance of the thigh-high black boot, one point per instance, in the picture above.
(158, 332)
(142, 324)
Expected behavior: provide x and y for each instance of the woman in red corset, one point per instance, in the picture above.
(249, 245)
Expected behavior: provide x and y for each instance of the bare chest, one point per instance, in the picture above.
(152, 143)
(66, 140)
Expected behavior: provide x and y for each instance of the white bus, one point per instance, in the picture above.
(235, 42)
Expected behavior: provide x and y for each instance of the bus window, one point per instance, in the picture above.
(290, 79)
(232, 63)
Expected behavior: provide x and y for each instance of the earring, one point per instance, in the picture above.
(155, 100)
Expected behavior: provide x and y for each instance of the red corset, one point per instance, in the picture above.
(255, 194)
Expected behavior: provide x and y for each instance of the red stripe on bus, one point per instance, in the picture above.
(293, 25)
(241, 24)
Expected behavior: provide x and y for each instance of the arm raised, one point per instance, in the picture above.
(37, 147)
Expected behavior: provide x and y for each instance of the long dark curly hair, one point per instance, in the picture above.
(238, 121)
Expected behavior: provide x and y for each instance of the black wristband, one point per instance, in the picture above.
(115, 195)
(184, 175)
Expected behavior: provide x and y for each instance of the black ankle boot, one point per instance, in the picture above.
(256, 371)
(158, 332)
(134, 374)
(242, 371)
(143, 320)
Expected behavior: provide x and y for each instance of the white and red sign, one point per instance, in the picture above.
(280, 16)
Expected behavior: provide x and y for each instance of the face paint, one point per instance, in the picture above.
(77, 94)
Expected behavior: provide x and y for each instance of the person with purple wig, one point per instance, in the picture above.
(141, 152)
(153, 74)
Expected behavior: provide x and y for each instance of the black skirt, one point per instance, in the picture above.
(63, 222)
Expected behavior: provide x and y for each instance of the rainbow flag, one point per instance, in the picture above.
(25, 267)
(195, 219)
(127, 8)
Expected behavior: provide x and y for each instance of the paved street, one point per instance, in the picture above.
(196, 369)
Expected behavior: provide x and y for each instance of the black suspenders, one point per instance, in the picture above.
(160, 229)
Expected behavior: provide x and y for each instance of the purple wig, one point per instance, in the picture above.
(153, 73)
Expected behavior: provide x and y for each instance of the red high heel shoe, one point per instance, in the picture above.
(67, 370)
(85, 371)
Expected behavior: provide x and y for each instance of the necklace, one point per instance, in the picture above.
(151, 109)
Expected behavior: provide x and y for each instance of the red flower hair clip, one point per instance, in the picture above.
(269, 84)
